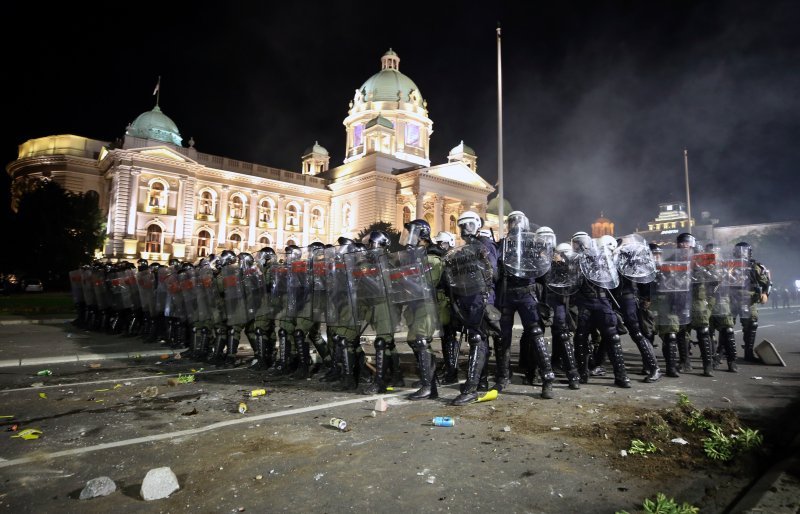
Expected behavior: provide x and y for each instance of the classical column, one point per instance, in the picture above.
(133, 206)
(223, 216)
(180, 206)
(281, 220)
(438, 221)
(251, 237)
(306, 222)
(420, 204)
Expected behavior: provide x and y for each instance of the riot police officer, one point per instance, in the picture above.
(451, 345)
(756, 289)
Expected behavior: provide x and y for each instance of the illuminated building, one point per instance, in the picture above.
(165, 200)
(602, 226)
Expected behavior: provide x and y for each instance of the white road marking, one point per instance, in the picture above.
(118, 380)
(194, 431)
(795, 321)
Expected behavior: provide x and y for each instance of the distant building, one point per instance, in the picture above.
(672, 219)
(602, 226)
(165, 200)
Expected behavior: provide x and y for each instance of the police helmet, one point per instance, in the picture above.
(607, 242)
(414, 232)
(174, 262)
(686, 240)
(546, 234)
(346, 245)
(226, 257)
(377, 239)
(743, 250)
(445, 240)
(469, 223)
(245, 259)
(580, 241)
(293, 252)
(517, 222)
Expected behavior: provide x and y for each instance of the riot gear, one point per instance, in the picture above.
(225, 258)
(377, 239)
(517, 222)
(743, 250)
(245, 260)
(142, 264)
(608, 242)
(415, 231)
(580, 241)
(686, 240)
(445, 240)
(469, 223)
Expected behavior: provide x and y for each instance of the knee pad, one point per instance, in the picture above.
(564, 337)
(194, 330)
(536, 331)
(380, 344)
(475, 339)
(282, 332)
(614, 340)
(702, 331)
(420, 344)
(753, 324)
(259, 332)
(298, 334)
(729, 331)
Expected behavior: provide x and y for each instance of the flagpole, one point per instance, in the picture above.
(500, 202)
(688, 198)
(157, 92)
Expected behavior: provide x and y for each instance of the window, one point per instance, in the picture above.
(358, 135)
(266, 211)
(236, 241)
(153, 240)
(237, 207)
(203, 243)
(291, 242)
(347, 217)
(406, 214)
(264, 241)
(317, 219)
(412, 135)
(205, 204)
(453, 225)
(157, 197)
(292, 216)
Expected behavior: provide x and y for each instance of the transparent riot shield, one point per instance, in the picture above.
(340, 286)
(467, 269)
(672, 286)
(189, 291)
(147, 294)
(120, 291)
(254, 292)
(319, 297)
(162, 296)
(87, 284)
(527, 255)
(634, 260)
(208, 304)
(597, 265)
(368, 278)
(705, 268)
(175, 307)
(130, 280)
(410, 285)
(734, 275)
(101, 295)
(279, 297)
(564, 276)
(298, 303)
(233, 291)
(76, 287)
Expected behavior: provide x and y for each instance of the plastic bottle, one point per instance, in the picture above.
(443, 421)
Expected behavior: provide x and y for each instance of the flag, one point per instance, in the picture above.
(158, 84)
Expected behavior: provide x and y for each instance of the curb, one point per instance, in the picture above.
(49, 321)
(81, 357)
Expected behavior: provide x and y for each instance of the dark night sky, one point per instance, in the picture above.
(600, 98)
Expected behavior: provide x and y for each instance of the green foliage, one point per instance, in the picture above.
(683, 400)
(639, 447)
(664, 505)
(393, 233)
(718, 446)
(58, 231)
(747, 439)
(696, 421)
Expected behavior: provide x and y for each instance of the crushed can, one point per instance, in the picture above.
(44, 373)
(242, 408)
(338, 423)
(443, 421)
(258, 392)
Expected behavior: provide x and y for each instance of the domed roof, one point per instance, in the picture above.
(491, 207)
(462, 148)
(379, 120)
(155, 125)
(389, 85)
(317, 148)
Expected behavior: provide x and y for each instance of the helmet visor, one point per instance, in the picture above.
(411, 235)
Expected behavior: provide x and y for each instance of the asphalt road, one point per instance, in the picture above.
(519, 453)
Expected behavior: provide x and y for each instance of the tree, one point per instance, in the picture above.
(387, 227)
(55, 230)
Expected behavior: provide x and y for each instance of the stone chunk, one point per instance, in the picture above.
(100, 486)
(159, 483)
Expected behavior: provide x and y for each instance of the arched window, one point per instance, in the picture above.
(265, 240)
(453, 225)
(266, 211)
(406, 214)
(154, 239)
(237, 208)
(292, 216)
(347, 217)
(203, 243)
(291, 242)
(205, 204)
(157, 197)
(317, 219)
(236, 241)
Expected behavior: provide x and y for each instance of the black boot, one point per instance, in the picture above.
(543, 358)
(378, 385)
(704, 341)
(730, 349)
(618, 362)
(683, 351)
(233, 346)
(670, 351)
(218, 353)
(749, 335)
(478, 348)
(191, 352)
(568, 360)
(303, 370)
(450, 349)
(503, 363)
(483, 382)
(279, 368)
(649, 358)
(426, 364)
(334, 373)
(362, 372)
(394, 364)
(582, 356)
(348, 380)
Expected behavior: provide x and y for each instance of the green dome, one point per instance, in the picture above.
(462, 148)
(379, 120)
(491, 207)
(317, 148)
(155, 125)
(389, 85)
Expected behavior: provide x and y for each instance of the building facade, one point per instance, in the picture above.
(164, 200)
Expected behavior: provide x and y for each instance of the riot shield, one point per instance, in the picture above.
(162, 296)
(734, 275)
(87, 284)
(101, 296)
(467, 269)
(368, 279)
(254, 293)
(410, 284)
(705, 268)
(147, 294)
(130, 280)
(634, 260)
(279, 290)
(341, 308)
(298, 303)
(189, 291)
(527, 255)
(233, 290)
(120, 291)
(208, 300)
(175, 307)
(319, 297)
(564, 276)
(76, 287)
(672, 297)
(597, 265)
